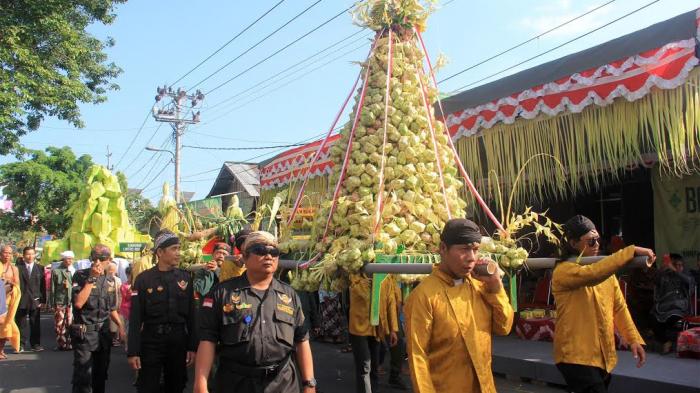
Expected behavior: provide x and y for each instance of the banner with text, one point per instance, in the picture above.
(677, 214)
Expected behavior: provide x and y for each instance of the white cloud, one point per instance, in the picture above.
(561, 11)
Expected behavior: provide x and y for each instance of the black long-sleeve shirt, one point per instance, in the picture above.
(161, 297)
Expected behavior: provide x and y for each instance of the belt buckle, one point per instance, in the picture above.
(270, 371)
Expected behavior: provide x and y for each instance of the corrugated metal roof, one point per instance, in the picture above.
(247, 175)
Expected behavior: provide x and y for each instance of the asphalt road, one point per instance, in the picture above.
(50, 372)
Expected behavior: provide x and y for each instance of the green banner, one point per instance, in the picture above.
(676, 214)
(131, 247)
(210, 207)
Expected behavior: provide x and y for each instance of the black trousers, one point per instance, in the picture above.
(365, 351)
(29, 323)
(397, 353)
(584, 379)
(91, 362)
(163, 353)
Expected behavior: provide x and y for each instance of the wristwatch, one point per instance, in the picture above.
(311, 383)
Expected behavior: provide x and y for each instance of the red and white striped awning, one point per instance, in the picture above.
(294, 163)
(631, 78)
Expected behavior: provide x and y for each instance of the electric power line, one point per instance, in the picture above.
(527, 41)
(555, 48)
(279, 50)
(148, 114)
(242, 148)
(234, 139)
(167, 164)
(255, 45)
(291, 67)
(95, 129)
(258, 156)
(283, 85)
(141, 151)
(163, 145)
(228, 42)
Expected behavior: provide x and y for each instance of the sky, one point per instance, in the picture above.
(159, 41)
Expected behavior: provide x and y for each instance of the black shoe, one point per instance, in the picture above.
(397, 383)
(37, 348)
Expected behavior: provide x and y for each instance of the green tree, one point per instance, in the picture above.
(49, 64)
(141, 211)
(42, 186)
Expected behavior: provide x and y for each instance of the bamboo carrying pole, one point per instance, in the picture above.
(482, 269)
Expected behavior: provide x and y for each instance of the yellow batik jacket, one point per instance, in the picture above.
(590, 306)
(229, 269)
(360, 304)
(448, 332)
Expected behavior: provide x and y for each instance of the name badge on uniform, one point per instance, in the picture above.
(285, 309)
(208, 302)
(283, 297)
(236, 299)
(182, 284)
(228, 308)
(243, 306)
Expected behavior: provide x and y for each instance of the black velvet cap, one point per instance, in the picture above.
(460, 231)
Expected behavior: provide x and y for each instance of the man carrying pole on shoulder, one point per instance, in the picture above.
(590, 305)
(451, 316)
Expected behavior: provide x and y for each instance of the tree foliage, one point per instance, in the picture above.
(42, 186)
(141, 210)
(49, 64)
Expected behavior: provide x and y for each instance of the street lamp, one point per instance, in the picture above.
(177, 172)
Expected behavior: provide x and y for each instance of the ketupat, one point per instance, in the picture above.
(397, 136)
(98, 216)
(168, 210)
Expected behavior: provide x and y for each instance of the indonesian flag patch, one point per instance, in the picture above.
(134, 293)
(208, 302)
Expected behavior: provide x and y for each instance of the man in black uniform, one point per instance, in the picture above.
(94, 302)
(258, 323)
(162, 339)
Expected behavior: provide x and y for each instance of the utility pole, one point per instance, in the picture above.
(172, 112)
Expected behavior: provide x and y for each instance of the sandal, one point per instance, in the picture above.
(3, 356)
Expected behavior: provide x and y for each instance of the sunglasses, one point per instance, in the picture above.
(593, 241)
(262, 250)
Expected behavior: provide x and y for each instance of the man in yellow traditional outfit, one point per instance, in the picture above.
(364, 337)
(451, 316)
(234, 268)
(590, 306)
(9, 331)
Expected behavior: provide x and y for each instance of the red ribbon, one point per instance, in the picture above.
(462, 171)
(344, 168)
(307, 173)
